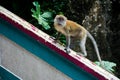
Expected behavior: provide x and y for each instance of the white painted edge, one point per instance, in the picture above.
(11, 72)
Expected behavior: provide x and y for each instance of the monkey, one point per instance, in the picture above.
(70, 29)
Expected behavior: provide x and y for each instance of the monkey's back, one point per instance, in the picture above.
(75, 29)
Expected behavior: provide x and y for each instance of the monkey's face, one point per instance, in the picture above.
(60, 20)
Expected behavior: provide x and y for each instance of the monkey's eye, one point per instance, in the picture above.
(60, 19)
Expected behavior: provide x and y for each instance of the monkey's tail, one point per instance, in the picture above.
(95, 46)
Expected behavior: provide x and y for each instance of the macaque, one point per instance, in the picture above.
(72, 29)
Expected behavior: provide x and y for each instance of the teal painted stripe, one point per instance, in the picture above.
(5, 75)
(43, 52)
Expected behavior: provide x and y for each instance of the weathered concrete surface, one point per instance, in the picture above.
(26, 65)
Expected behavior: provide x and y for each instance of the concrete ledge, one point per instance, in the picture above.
(26, 65)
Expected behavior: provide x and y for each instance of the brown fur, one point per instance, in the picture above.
(72, 29)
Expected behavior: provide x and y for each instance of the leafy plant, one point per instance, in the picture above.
(107, 65)
(43, 18)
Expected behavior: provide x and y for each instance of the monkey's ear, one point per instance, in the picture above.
(65, 18)
(57, 15)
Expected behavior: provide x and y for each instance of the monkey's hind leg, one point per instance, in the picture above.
(82, 46)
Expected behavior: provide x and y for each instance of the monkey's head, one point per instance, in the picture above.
(60, 20)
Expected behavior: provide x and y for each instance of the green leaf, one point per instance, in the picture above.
(34, 13)
(45, 25)
(41, 18)
(36, 4)
(47, 15)
(107, 65)
(42, 22)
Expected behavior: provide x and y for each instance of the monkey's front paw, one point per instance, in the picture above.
(67, 50)
(53, 39)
